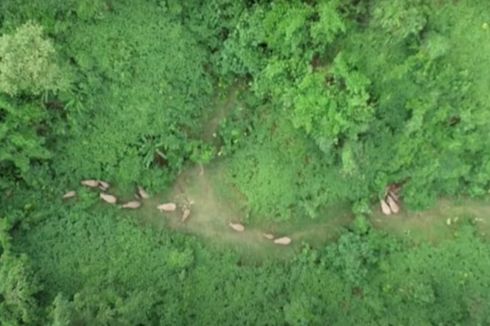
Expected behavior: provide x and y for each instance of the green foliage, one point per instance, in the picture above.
(440, 290)
(275, 42)
(109, 271)
(355, 255)
(414, 113)
(342, 98)
(361, 225)
(62, 311)
(28, 63)
(90, 9)
(5, 237)
(101, 250)
(89, 267)
(143, 90)
(20, 142)
(18, 287)
(272, 174)
(400, 18)
(335, 114)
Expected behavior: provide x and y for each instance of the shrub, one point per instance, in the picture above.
(28, 62)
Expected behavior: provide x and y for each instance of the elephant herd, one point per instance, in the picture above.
(238, 227)
(103, 186)
(141, 195)
(390, 203)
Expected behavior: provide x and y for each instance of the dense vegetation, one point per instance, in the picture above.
(336, 100)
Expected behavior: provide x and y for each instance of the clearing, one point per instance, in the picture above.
(211, 214)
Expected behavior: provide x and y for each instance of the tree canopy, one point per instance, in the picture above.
(298, 116)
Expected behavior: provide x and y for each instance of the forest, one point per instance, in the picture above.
(244, 162)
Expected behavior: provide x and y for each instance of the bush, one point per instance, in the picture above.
(28, 62)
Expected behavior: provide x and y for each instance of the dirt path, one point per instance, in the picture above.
(211, 212)
(211, 215)
(214, 208)
(439, 222)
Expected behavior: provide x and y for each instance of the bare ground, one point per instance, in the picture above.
(210, 216)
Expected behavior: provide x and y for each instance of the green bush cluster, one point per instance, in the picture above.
(392, 96)
(79, 267)
(28, 63)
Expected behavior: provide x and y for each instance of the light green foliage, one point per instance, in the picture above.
(398, 99)
(400, 18)
(328, 24)
(28, 62)
(334, 113)
(92, 9)
(272, 174)
(361, 225)
(61, 312)
(429, 106)
(28, 68)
